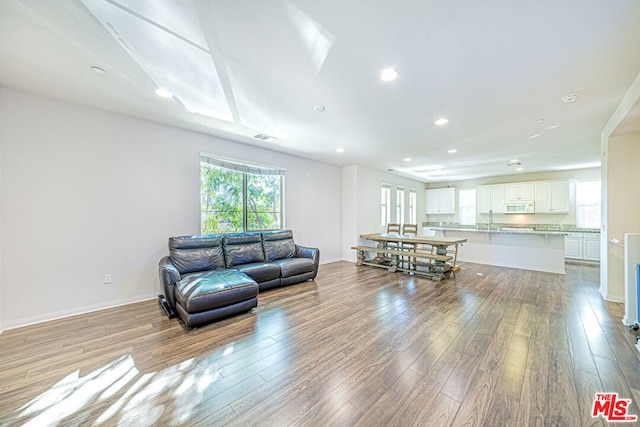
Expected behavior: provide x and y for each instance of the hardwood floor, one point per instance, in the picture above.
(359, 346)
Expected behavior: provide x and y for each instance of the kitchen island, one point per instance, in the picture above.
(519, 247)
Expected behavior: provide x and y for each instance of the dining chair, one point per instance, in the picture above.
(409, 230)
(393, 228)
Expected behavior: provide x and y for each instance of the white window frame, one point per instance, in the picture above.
(385, 204)
(400, 205)
(245, 169)
(413, 217)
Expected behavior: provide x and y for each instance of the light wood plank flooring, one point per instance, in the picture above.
(358, 346)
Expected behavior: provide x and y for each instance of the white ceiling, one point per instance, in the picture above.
(496, 69)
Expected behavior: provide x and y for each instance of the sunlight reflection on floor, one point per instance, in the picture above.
(128, 397)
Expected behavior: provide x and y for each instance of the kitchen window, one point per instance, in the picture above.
(467, 206)
(588, 204)
(237, 197)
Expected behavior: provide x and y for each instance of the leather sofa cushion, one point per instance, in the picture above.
(278, 245)
(209, 290)
(242, 249)
(294, 266)
(196, 253)
(260, 271)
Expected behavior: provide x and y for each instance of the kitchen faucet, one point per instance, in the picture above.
(490, 219)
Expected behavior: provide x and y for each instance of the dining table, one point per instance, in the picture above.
(414, 254)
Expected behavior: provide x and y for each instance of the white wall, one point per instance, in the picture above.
(86, 192)
(1, 119)
(366, 183)
(620, 174)
(568, 175)
(623, 206)
(349, 210)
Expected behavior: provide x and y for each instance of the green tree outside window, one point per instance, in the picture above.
(235, 201)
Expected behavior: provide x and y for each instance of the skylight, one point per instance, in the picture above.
(167, 42)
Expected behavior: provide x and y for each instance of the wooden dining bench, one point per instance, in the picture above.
(396, 254)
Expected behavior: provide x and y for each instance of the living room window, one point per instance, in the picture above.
(412, 206)
(385, 204)
(400, 205)
(237, 197)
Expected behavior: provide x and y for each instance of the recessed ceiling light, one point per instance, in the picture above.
(514, 161)
(388, 74)
(519, 169)
(407, 159)
(453, 150)
(569, 98)
(535, 135)
(163, 93)
(97, 70)
(441, 121)
(319, 109)
(539, 120)
(552, 127)
(339, 150)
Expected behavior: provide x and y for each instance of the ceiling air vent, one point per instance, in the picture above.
(263, 137)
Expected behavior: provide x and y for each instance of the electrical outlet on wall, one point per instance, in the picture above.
(107, 278)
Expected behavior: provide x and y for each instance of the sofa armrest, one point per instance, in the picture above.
(312, 253)
(169, 276)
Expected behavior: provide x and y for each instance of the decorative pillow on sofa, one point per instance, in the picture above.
(279, 245)
(196, 253)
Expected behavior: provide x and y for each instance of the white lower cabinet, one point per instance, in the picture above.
(582, 246)
(573, 245)
(591, 247)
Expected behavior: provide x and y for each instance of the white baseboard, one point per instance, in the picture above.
(613, 298)
(19, 323)
(329, 261)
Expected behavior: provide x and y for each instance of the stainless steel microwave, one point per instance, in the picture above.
(519, 208)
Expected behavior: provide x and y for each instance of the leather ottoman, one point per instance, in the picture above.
(205, 296)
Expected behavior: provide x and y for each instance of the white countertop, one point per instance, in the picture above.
(503, 230)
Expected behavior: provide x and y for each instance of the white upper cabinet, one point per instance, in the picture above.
(559, 196)
(490, 198)
(542, 197)
(552, 197)
(441, 201)
(518, 191)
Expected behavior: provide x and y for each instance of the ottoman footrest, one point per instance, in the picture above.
(206, 296)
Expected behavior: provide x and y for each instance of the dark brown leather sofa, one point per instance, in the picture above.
(209, 277)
